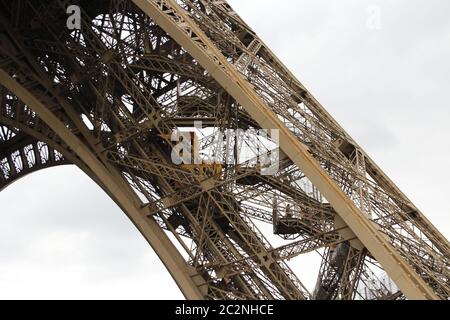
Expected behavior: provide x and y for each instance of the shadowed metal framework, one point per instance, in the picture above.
(108, 96)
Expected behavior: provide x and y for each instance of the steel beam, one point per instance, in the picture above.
(174, 20)
(167, 252)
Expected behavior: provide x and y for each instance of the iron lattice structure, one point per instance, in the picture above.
(106, 98)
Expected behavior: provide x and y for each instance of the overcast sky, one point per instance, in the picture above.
(385, 78)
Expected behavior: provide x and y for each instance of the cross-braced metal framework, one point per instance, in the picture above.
(107, 97)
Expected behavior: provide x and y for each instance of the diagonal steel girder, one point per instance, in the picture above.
(156, 237)
(174, 20)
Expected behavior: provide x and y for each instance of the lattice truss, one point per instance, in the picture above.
(121, 85)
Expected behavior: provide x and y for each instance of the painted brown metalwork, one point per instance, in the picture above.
(107, 97)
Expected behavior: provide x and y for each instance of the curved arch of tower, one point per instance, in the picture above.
(108, 96)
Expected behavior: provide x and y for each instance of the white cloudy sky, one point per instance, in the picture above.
(61, 237)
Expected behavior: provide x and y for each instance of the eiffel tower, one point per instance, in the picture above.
(107, 97)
